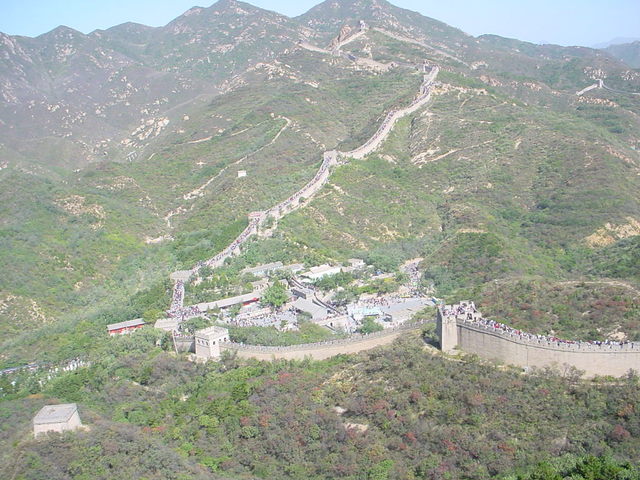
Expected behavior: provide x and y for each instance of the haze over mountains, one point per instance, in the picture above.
(119, 151)
(111, 93)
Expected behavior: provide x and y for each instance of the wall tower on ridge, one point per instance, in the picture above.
(447, 331)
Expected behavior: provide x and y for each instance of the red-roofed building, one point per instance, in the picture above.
(125, 327)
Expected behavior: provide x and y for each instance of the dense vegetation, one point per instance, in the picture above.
(405, 414)
(577, 310)
(517, 193)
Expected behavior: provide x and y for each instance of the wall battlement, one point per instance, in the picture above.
(462, 326)
(322, 350)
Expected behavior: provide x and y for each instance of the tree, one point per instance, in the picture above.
(343, 297)
(275, 295)
(369, 325)
(194, 324)
(151, 315)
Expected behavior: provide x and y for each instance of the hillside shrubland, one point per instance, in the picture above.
(404, 413)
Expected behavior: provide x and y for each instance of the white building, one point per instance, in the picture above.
(56, 418)
(315, 273)
(208, 342)
(356, 263)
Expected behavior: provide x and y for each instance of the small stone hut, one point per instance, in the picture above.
(56, 418)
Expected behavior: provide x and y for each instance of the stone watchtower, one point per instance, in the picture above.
(447, 331)
(207, 342)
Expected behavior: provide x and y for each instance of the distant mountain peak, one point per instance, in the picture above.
(62, 31)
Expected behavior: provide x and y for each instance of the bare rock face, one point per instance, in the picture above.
(345, 32)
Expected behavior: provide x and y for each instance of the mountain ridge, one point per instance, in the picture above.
(166, 173)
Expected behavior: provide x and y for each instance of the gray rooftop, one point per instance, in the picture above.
(129, 323)
(316, 311)
(294, 267)
(55, 413)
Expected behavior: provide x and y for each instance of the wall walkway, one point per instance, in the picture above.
(330, 159)
(461, 326)
(612, 359)
(322, 350)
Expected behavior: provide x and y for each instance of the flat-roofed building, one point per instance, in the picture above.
(302, 292)
(208, 342)
(260, 285)
(125, 327)
(316, 311)
(294, 267)
(315, 273)
(245, 299)
(356, 263)
(167, 324)
(56, 418)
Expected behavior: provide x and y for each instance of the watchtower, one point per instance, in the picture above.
(447, 330)
(208, 341)
(331, 157)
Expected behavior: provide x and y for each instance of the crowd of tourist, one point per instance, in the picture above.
(185, 313)
(414, 275)
(177, 300)
(467, 311)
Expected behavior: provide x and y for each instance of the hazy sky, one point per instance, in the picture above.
(565, 22)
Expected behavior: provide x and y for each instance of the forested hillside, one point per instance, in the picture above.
(398, 412)
(120, 160)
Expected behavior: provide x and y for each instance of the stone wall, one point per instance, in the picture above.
(322, 350)
(387, 125)
(615, 360)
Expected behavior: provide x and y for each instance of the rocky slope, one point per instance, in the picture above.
(119, 153)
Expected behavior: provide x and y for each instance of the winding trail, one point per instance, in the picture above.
(199, 192)
(330, 159)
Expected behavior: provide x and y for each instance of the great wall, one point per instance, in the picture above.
(322, 350)
(330, 159)
(461, 327)
(466, 331)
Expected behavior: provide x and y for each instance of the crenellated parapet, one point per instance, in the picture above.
(423, 97)
(462, 326)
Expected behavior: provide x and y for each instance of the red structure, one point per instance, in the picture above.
(125, 327)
